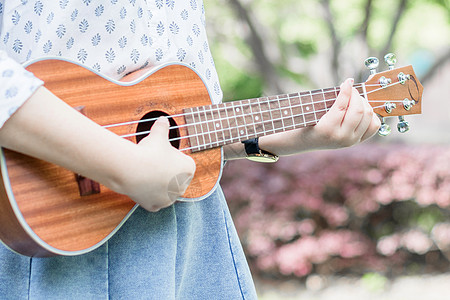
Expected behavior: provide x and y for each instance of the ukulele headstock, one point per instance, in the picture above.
(395, 92)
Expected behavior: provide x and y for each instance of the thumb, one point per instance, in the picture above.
(159, 131)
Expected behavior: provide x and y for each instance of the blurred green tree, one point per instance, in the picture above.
(267, 47)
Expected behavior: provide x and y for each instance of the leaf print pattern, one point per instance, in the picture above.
(196, 30)
(159, 54)
(17, 46)
(174, 28)
(82, 55)
(63, 3)
(50, 18)
(123, 42)
(194, 4)
(84, 25)
(184, 15)
(121, 69)
(110, 26)
(112, 37)
(37, 36)
(15, 18)
(99, 10)
(70, 43)
(47, 47)
(74, 15)
(181, 54)
(170, 3)
(96, 39)
(134, 55)
(123, 13)
(110, 55)
(60, 31)
(160, 28)
(28, 27)
(133, 27)
(159, 3)
(38, 7)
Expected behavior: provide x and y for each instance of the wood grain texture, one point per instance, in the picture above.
(47, 195)
(411, 90)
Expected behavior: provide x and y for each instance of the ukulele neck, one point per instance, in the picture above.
(230, 122)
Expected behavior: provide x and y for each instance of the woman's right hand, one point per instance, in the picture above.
(152, 173)
(158, 173)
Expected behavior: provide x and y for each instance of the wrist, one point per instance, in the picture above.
(255, 153)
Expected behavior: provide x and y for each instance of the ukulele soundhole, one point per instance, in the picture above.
(146, 126)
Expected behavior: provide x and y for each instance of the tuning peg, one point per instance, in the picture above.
(390, 59)
(402, 126)
(372, 63)
(385, 129)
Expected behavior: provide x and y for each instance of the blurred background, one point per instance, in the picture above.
(367, 222)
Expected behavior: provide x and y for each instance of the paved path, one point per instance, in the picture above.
(427, 287)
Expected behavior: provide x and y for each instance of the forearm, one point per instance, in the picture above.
(152, 173)
(281, 144)
(46, 128)
(348, 122)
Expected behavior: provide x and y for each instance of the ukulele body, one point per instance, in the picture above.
(47, 210)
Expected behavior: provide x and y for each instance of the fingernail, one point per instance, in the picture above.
(351, 81)
(163, 119)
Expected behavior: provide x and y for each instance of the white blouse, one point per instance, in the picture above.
(111, 37)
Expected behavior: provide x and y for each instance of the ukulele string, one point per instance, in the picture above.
(224, 141)
(282, 118)
(242, 116)
(336, 89)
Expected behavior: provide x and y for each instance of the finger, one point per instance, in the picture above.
(373, 128)
(355, 112)
(337, 112)
(159, 132)
(366, 119)
(178, 185)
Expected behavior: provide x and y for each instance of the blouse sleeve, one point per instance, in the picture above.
(16, 86)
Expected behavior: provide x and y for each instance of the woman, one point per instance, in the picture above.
(165, 250)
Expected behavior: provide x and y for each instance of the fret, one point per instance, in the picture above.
(205, 127)
(361, 91)
(290, 109)
(266, 118)
(275, 111)
(240, 121)
(234, 132)
(199, 132)
(335, 93)
(226, 128)
(226, 123)
(217, 124)
(248, 119)
(318, 105)
(297, 111)
(308, 110)
(257, 116)
(329, 95)
(286, 112)
(191, 128)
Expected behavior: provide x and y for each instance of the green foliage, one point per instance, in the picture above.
(298, 39)
(238, 84)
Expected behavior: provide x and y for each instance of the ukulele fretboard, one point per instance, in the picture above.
(230, 122)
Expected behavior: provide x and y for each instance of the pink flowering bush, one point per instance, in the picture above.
(366, 208)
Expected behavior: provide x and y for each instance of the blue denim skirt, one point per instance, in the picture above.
(186, 251)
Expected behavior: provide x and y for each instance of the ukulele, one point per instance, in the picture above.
(47, 210)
